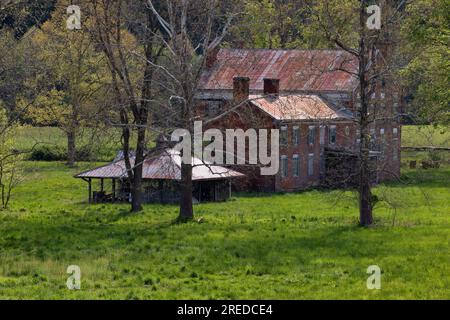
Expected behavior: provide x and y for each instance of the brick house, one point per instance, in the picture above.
(311, 97)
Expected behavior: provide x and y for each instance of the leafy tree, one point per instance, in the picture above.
(70, 81)
(427, 34)
(271, 24)
(10, 159)
(23, 15)
(132, 62)
(14, 67)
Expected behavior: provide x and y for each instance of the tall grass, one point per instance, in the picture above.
(304, 245)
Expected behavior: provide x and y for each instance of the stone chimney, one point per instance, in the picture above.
(271, 87)
(211, 57)
(241, 89)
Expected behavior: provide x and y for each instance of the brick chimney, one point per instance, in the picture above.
(211, 57)
(241, 89)
(271, 87)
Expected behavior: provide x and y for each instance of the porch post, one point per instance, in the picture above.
(113, 190)
(101, 185)
(90, 190)
(161, 191)
(229, 188)
(215, 190)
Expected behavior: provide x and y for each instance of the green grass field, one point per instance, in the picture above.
(284, 246)
(425, 136)
(106, 143)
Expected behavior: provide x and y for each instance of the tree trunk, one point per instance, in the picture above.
(136, 194)
(136, 185)
(71, 148)
(186, 209)
(365, 193)
(141, 115)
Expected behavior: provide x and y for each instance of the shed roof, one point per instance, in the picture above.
(298, 70)
(299, 107)
(165, 165)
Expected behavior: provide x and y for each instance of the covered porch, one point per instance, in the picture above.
(161, 180)
(101, 190)
(104, 193)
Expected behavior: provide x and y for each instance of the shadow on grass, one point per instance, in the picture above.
(78, 237)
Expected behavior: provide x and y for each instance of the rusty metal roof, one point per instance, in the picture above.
(165, 165)
(298, 70)
(299, 107)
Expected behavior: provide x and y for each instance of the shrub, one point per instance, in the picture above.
(59, 153)
(84, 153)
(48, 153)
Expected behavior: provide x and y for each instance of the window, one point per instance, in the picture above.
(214, 107)
(395, 144)
(347, 131)
(373, 139)
(312, 135)
(382, 143)
(395, 150)
(332, 134)
(395, 131)
(358, 136)
(296, 165)
(283, 136)
(296, 135)
(311, 164)
(284, 166)
(322, 135)
(395, 108)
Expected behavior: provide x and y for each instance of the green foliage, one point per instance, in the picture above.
(295, 24)
(70, 78)
(331, 22)
(426, 136)
(22, 15)
(433, 136)
(427, 34)
(49, 143)
(259, 34)
(13, 71)
(48, 153)
(57, 153)
(69, 85)
(10, 158)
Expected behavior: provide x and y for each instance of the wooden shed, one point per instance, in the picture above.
(161, 178)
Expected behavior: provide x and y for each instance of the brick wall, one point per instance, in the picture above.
(346, 135)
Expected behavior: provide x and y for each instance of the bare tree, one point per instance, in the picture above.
(133, 92)
(190, 31)
(372, 47)
(10, 159)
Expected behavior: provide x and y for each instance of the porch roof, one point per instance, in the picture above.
(165, 165)
(300, 107)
